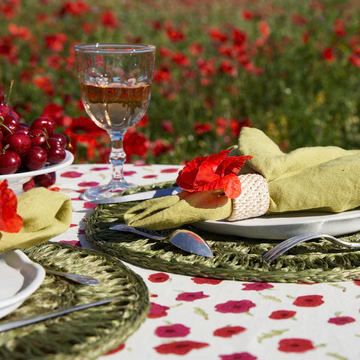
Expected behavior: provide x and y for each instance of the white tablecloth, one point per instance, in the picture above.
(207, 319)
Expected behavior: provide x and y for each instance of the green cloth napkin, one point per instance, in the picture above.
(45, 214)
(311, 178)
(173, 211)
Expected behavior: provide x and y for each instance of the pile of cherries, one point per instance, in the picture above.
(28, 147)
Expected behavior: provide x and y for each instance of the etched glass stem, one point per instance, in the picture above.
(117, 156)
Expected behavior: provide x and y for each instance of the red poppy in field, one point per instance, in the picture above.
(158, 277)
(180, 59)
(341, 320)
(170, 331)
(328, 54)
(55, 112)
(109, 20)
(309, 301)
(339, 28)
(175, 35)
(227, 67)
(158, 147)
(202, 128)
(235, 307)
(10, 221)
(196, 49)
(135, 144)
(236, 126)
(10, 8)
(76, 8)
(295, 345)
(197, 280)
(282, 314)
(354, 59)
(214, 172)
(229, 331)
(20, 32)
(299, 20)
(239, 37)
(179, 347)
(162, 75)
(206, 67)
(55, 42)
(264, 29)
(167, 126)
(54, 62)
(217, 35)
(8, 49)
(44, 83)
(248, 15)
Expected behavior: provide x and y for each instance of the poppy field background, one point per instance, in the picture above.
(290, 68)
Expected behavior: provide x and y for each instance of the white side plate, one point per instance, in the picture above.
(279, 227)
(19, 278)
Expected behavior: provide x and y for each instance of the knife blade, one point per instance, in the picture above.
(32, 320)
(138, 196)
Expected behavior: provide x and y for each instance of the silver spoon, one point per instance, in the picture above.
(81, 279)
(184, 239)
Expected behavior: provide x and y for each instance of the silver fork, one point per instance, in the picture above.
(286, 245)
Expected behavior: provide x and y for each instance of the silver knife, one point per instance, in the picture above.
(138, 196)
(32, 320)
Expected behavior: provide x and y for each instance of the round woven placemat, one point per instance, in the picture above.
(84, 334)
(234, 258)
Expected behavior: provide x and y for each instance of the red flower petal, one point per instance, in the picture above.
(179, 347)
(229, 183)
(232, 165)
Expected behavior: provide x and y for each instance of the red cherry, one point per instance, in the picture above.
(1, 135)
(36, 158)
(56, 155)
(42, 123)
(9, 124)
(19, 142)
(46, 180)
(51, 143)
(10, 162)
(29, 185)
(25, 128)
(61, 139)
(37, 136)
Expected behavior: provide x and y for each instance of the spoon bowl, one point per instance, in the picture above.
(183, 239)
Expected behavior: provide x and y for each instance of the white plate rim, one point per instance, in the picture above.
(282, 226)
(69, 159)
(26, 291)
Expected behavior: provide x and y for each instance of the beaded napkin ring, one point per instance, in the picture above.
(254, 199)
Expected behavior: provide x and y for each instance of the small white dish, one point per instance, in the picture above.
(17, 180)
(19, 278)
(279, 227)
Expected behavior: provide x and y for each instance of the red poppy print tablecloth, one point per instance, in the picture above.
(197, 318)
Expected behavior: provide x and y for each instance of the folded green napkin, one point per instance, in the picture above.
(311, 178)
(173, 211)
(45, 214)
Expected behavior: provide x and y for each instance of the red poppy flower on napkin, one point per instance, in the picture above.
(10, 221)
(213, 172)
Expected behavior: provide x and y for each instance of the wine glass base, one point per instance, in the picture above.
(105, 191)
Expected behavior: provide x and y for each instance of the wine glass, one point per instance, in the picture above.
(115, 84)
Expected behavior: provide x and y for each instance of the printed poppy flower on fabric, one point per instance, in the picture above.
(238, 356)
(357, 282)
(71, 174)
(235, 307)
(117, 349)
(170, 331)
(88, 205)
(104, 169)
(282, 314)
(88, 183)
(191, 296)
(341, 320)
(153, 176)
(257, 286)
(197, 280)
(158, 277)
(213, 172)
(157, 311)
(180, 347)
(295, 345)
(228, 331)
(308, 301)
(169, 171)
(71, 242)
(10, 221)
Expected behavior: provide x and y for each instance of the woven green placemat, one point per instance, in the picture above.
(235, 258)
(84, 334)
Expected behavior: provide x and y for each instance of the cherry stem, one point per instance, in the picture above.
(4, 149)
(3, 125)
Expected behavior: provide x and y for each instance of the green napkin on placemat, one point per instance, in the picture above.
(310, 178)
(325, 179)
(45, 214)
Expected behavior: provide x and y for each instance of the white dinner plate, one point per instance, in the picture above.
(17, 180)
(279, 227)
(19, 278)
